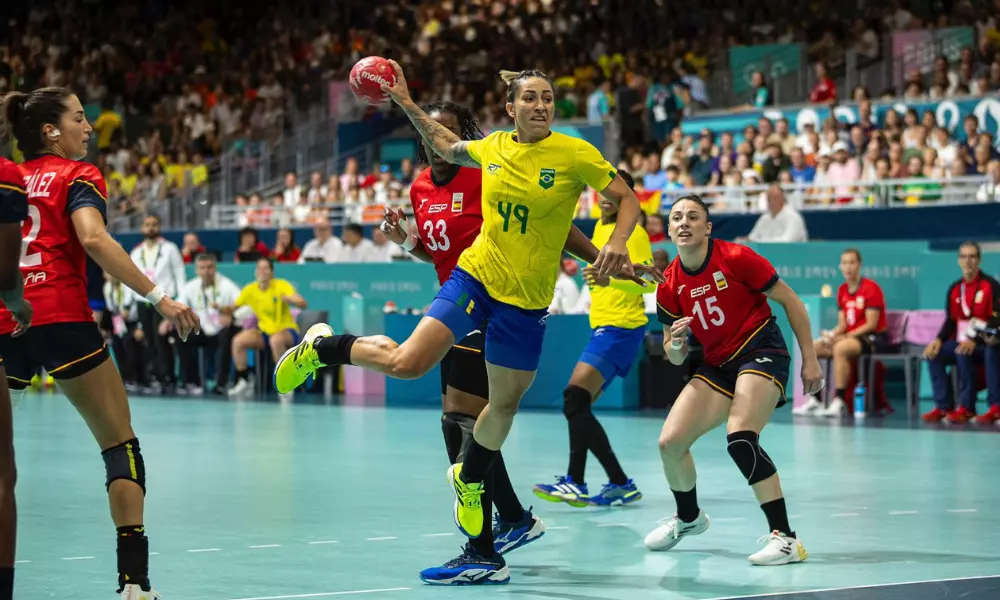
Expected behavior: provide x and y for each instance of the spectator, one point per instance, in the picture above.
(921, 188)
(599, 102)
(567, 293)
(844, 173)
(127, 340)
(780, 223)
(322, 248)
(250, 248)
(825, 90)
(357, 248)
(656, 229)
(192, 247)
(800, 171)
(972, 300)
(990, 191)
(861, 329)
(317, 191)
(207, 294)
(293, 191)
(352, 177)
(108, 125)
(700, 165)
(383, 251)
(285, 248)
(774, 163)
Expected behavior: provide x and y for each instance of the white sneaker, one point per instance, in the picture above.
(811, 407)
(241, 389)
(134, 592)
(672, 529)
(194, 389)
(286, 398)
(778, 550)
(837, 408)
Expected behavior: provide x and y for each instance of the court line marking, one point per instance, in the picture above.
(612, 524)
(265, 546)
(836, 589)
(381, 539)
(557, 527)
(198, 550)
(438, 534)
(80, 558)
(844, 514)
(962, 510)
(323, 542)
(21, 562)
(154, 553)
(328, 594)
(904, 512)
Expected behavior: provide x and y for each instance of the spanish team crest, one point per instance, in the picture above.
(547, 178)
(720, 281)
(456, 201)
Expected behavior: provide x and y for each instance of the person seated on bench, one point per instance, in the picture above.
(861, 329)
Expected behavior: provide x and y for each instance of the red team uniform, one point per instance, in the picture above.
(63, 337)
(13, 207)
(731, 317)
(868, 296)
(449, 215)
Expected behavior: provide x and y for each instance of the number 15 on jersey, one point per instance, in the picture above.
(715, 315)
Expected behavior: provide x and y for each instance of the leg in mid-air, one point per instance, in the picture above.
(700, 408)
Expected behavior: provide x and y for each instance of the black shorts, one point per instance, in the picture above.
(464, 367)
(64, 350)
(764, 355)
(874, 343)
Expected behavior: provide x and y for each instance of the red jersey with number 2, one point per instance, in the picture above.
(53, 262)
(449, 215)
(726, 298)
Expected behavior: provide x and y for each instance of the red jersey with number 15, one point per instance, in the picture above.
(53, 262)
(726, 297)
(449, 215)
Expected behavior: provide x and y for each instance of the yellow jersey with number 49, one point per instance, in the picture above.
(530, 194)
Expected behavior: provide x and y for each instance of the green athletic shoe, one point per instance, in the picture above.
(300, 361)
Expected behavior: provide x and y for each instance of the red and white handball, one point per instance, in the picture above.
(368, 76)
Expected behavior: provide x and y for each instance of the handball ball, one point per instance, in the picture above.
(368, 76)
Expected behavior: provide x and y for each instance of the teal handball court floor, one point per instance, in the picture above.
(266, 501)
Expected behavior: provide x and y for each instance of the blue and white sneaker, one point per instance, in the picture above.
(563, 490)
(469, 568)
(508, 537)
(617, 495)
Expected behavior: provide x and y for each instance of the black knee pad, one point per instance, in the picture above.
(576, 401)
(124, 461)
(754, 463)
(455, 436)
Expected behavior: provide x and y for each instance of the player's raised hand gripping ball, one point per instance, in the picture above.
(368, 77)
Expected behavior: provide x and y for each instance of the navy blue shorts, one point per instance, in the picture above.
(764, 355)
(267, 338)
(513, 335)
(612, 350)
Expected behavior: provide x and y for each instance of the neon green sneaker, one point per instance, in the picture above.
(300, 361)
(468, 503)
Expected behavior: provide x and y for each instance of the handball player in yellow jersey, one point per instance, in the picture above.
(618, 318)
(532, 180)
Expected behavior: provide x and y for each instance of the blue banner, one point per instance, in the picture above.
(773, 60)
(950, 114)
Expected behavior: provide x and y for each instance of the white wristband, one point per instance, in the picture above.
(675, 345)
(155, 296)
(410, 242)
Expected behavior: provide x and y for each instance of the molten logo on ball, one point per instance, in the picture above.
(368, 76)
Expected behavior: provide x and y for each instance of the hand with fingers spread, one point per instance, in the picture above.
(181, 316)
(395, 225)
(679, 331)
(613, 259)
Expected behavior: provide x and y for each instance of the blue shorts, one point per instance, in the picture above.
(267, 338)
(513, 335)
(612, 350)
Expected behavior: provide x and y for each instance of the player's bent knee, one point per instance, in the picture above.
(753, 462)
(124, 461)
(673, 446)
(576, 401)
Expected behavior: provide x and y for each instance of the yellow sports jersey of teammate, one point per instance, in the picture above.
(530, 192)
(620, 304)
(273, 315)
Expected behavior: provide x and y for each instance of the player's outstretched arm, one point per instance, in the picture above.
(445, 143)
(614, 256)
(798, 318)
(110, 256)
(397, 228)
(579, 245)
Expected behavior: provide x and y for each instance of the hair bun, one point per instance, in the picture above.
(509, 76)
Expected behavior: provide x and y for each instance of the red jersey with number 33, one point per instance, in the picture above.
(726, 298)
(53, 262)
(855, 304)
(449, 215)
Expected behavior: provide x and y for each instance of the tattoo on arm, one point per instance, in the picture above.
(445, 143)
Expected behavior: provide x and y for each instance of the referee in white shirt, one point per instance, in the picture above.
(205, 294)
(781, 222)
(160, 260)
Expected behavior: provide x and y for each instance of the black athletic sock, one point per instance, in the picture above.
(504, 497)
(478, 461)
(335, 349)
(7, 583)
(133, 557)
(841, 392)
(601, 447)
(484, 543)
(242, 374)
(576, 407)
(687, 505)
(777, 516)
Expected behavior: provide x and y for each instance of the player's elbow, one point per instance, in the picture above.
(92, 241)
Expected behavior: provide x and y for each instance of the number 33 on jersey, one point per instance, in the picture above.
(726, 298)
(449, 215)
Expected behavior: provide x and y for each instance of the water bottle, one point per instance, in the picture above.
(859, 400)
